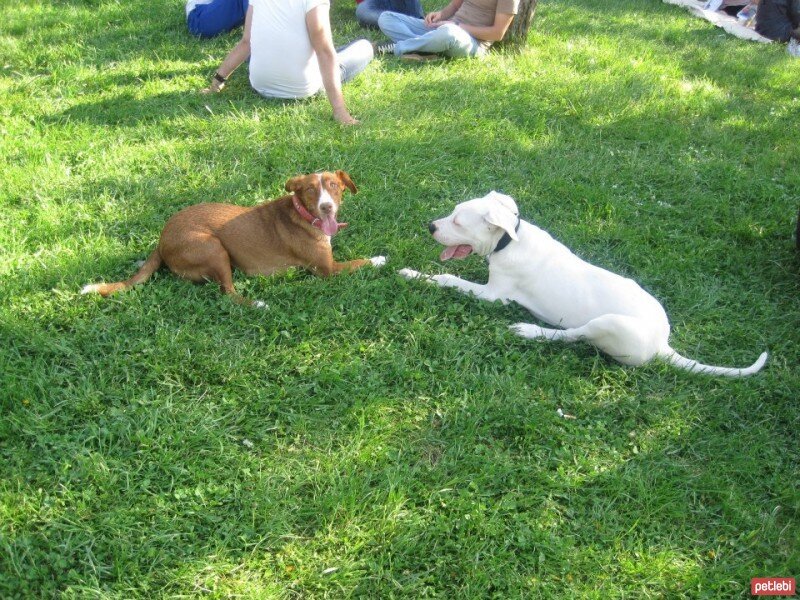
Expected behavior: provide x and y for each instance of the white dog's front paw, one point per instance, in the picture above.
(527, 330)
(410, 274)
(260, 304)
(378, 261)
(444, 279)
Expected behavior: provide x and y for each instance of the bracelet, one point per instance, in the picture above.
(219, 78)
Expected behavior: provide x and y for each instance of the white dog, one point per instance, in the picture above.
(529, 267)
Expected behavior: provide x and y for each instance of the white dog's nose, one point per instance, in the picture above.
(432, 227)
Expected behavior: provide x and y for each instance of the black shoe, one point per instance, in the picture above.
(386, 48)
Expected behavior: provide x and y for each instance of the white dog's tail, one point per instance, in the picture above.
(676, 359)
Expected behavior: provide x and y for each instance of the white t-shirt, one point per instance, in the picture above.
(282, 62)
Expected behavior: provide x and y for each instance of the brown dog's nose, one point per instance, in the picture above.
(432, 227)
(326, 207)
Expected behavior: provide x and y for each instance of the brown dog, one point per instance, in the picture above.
(206, 241)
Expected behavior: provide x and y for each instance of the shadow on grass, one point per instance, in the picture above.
(131, 109)
(400, 488)
(105, 35)
(694, 45)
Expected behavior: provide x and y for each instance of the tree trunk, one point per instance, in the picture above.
(517, 34)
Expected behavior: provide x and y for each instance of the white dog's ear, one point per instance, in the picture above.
(501, 217)
(505, 200)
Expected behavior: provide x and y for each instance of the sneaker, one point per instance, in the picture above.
(386, 48)
(414, 57)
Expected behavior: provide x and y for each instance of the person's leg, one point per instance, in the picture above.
(772, 20)
(449, 40)
(217, 16)
(412, 8)
(399, 27)
(368, 11)
(354, 58)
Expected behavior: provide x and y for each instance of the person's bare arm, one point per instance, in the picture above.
(319, 32)
(443, 14)
(490, 33)
(235, 57)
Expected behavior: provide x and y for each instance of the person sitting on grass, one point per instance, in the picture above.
(368, 11)
(462, 28)
(779, 19)
(207, 18)
(292, 55)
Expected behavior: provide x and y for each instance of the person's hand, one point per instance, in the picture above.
(432, 17)
(217, 84)
(438, 24)
(345, 118)
(215, 87)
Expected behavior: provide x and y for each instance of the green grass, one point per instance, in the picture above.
(372, 437)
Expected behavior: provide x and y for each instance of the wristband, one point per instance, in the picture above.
(219, 78)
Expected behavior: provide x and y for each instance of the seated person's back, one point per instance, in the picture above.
(283, 63)
(290, 47)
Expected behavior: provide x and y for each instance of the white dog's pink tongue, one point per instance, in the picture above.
(461, 251)
(329, 225)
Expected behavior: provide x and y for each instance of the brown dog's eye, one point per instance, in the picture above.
(334, 185)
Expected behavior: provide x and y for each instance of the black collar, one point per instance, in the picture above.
(506, 239)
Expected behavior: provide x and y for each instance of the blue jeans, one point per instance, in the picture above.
(413, 35)
(218, 16)
(354, 58)
(368, 11)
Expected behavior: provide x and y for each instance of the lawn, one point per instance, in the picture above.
(368, 436)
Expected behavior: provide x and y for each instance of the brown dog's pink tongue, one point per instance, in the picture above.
(330, 226)
(461, 251)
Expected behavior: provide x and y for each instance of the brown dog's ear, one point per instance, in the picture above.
(344, 177)
(293, 183)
